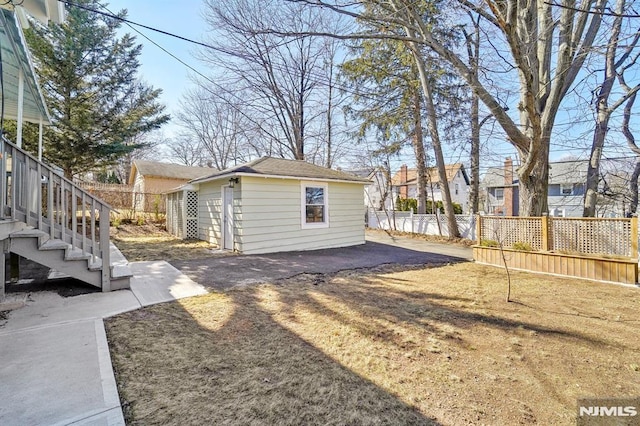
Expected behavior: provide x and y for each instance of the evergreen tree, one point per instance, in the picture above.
(89, 79)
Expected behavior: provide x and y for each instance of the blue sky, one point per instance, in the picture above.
(184, 18)
(158, 68)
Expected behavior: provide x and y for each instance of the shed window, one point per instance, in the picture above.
(314, 205)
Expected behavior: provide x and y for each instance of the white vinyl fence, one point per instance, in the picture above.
(421, 223)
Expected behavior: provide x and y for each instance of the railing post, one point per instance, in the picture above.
(94, 247)
(50, 206)
(28, 193)
(39, 196)
(74, 217)
(634, 236)
(105, 248)
(545, 232)
(479, 228)
(3, 178)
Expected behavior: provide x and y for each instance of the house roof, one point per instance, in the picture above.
(16, 58)
(560, 172)
(269, 166)
(434, 177)
(568, 172)
(494, 177)
(167, 170)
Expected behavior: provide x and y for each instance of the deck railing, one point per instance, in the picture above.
(37, 194)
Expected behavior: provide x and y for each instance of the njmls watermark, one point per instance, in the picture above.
(608, 411)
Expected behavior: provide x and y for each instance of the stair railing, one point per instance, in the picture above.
(38, 194)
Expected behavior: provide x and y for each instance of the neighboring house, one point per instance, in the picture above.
(374, 193)
(44, 218)
(153, 177)
(405, 184)
(565, 191)
(271, 205)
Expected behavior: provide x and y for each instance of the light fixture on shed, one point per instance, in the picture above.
(233, 181)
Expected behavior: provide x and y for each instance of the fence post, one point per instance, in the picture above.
(545, 232)
(479, 228)
(634, 236)
(411, 219)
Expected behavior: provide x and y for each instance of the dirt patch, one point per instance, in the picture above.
(427, 346)
(152, 242)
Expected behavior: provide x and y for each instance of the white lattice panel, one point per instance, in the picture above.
(511, 230)
(191, 207)
(594, 236)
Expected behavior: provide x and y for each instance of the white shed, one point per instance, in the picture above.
(271, 205)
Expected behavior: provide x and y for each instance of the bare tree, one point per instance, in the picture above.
(280, 76)
(615, 66)
(548, 45)
(186, 149)
(216, 124)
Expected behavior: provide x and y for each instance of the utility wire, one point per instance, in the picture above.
(120, 18)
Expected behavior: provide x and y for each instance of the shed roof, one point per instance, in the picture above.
(167, 170)
(269, 166)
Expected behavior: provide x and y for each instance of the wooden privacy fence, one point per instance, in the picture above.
(123, 197)
(593, 248)
(603, 236)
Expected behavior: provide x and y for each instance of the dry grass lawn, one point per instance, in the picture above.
(149, 242)
(429, 346)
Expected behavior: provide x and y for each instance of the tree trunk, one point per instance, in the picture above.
(633, 187)
(474, 190)
(603, 113)
(593, 171)
(432, 124)
(418, 148)
(473, 52)
(533, 183)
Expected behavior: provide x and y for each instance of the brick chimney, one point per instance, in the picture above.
(508, 171)
(508, 187)
(404, 189)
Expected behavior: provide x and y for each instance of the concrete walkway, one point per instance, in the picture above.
(55, 367)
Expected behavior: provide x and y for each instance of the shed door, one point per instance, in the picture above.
(227, 218)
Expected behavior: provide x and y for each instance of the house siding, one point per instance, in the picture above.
(210, 212)
(271, 217)
(434, 192)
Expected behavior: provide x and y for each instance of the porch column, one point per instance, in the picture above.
(40, 150)
(20, 108)
(2, 271)
(4, 189)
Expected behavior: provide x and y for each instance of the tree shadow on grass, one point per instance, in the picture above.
(225, 360)
(430, 311)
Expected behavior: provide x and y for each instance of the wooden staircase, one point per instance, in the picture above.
(37, 246)
(56, 223)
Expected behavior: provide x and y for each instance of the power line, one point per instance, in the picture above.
(120, 18)
(594, 12)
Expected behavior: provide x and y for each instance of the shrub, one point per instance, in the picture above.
(489, 243)
(519, 245)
